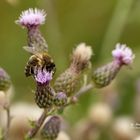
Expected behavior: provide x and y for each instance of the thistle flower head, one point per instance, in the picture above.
(31, 17)
(60, 99)
(81, 56)
(123, 53)
(51, 128)
(43, 76)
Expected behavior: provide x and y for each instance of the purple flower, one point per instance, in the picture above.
(31, 17)
(43, 76)
(123, 54)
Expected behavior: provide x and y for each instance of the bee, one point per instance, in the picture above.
(38, 59)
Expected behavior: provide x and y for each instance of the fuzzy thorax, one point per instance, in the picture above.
(81, 57)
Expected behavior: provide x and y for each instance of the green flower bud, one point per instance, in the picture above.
(5, 81)
(51, 128)
(60, 99)
(105, 74)
(69, 81)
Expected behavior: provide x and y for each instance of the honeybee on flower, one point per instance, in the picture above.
(40, 65)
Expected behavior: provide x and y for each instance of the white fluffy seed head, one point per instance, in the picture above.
(123, 53)
(31, 17)
(81, 57)
(83, 52)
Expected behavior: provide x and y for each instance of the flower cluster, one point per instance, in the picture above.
(68, 84)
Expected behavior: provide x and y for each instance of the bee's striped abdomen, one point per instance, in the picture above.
(31, 64)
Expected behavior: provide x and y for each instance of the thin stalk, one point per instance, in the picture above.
(37, 125)
(6, 135)
(83, 90)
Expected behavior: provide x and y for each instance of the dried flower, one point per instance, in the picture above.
(69, 81)
(123, 54)
(31, 17)
(81, 57)
(51, 128)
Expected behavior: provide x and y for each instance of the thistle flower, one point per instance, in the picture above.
(51, 128)
(44, 98)
(5, 81)
(103, 76)
(31, 19)
(43, 77)
(68, 81)
(60, 99)
(123, 54)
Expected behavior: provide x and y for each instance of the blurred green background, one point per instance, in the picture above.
(99, 23)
